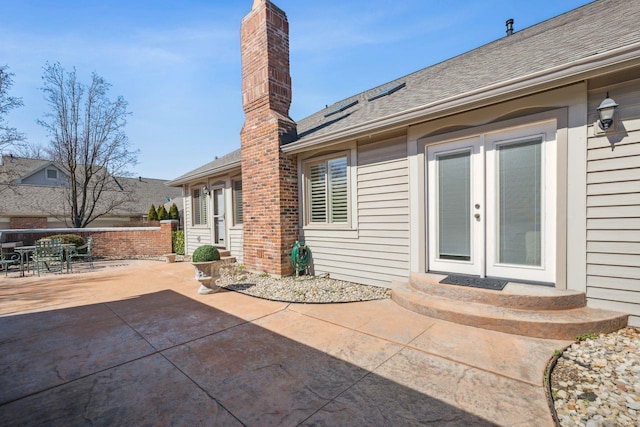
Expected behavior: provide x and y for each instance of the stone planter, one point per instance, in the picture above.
(170, 258)
(207, 273)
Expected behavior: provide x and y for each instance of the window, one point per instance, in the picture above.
(52, 174)
(237, 202)
(328, 192)
(199, 204)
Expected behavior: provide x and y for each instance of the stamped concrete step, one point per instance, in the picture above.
(553, 324)
(228, 259)
(514, 295)
(224, 253)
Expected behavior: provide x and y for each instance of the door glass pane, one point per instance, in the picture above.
(218, 212)
(519, 203)
(454, 206)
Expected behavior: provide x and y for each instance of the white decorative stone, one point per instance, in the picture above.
(634, 405)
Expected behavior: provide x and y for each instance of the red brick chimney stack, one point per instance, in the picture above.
(269, 178)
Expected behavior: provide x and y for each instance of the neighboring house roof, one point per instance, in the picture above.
(219, 165)
(150, 190)
(593, 29)
(37, 200)
(14, 168)
(38, 169)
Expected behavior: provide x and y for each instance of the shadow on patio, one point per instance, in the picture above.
(163, 358)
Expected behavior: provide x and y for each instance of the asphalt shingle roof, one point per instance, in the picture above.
(220, 164)
(595, 28)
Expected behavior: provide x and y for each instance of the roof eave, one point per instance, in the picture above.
(565, 74)
(178, 182)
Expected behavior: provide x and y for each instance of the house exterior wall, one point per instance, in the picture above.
(374, 249)
(198, 235)
(27, 222)
(567, 107)
(613, 203)
(235, 243)
(195, 235)
(270, 193)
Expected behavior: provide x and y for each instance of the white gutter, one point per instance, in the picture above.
(204, 174)
(579, 68)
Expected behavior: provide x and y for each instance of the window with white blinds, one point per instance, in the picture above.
(328, 191)
(237, 202)
(199, 204)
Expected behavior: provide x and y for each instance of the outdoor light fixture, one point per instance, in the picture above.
(205, 190)
(606, 110)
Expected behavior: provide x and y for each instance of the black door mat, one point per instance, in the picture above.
(474, 282)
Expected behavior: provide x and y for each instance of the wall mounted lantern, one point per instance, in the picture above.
(606, 110)
(205, 190)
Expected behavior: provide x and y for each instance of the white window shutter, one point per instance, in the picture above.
(318, 192)
(338, 193)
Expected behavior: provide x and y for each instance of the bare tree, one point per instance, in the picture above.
(8, 135)
(31, 151)
(10, 138)
(89, 142)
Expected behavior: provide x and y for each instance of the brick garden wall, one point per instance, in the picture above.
(109, 242)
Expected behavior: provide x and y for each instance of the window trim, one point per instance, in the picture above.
(192, 190)
(306, 213)
(46, 174)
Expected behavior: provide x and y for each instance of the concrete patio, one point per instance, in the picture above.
(132, 343)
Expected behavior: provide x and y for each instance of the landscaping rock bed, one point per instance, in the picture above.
(596, 382)
(304, 289)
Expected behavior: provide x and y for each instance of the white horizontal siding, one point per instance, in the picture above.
(613, 205)
(236, 243)
(614, 247)
(377, 253)
(197, 237)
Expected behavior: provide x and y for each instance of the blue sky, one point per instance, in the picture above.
(177, 62)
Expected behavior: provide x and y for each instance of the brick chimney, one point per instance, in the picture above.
(269, 178)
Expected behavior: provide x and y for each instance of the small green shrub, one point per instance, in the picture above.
(205, 253)
(153, 214)
(162, 213)
(177, 242)
(174, 213)
(68, 238)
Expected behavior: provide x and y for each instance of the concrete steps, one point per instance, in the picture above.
(225, 255)
(528, 310)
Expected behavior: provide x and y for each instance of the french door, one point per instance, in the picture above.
(491, 204)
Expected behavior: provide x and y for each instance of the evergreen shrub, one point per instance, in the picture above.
(162, 213)
(205, 253)
(152, 215)
(177, 242)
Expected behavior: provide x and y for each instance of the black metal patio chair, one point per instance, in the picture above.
(82, 252)
(7, 259)
(48, 254)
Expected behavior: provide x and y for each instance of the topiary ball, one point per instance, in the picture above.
(205, 253)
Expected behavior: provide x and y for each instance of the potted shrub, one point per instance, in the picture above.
(206, 261)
